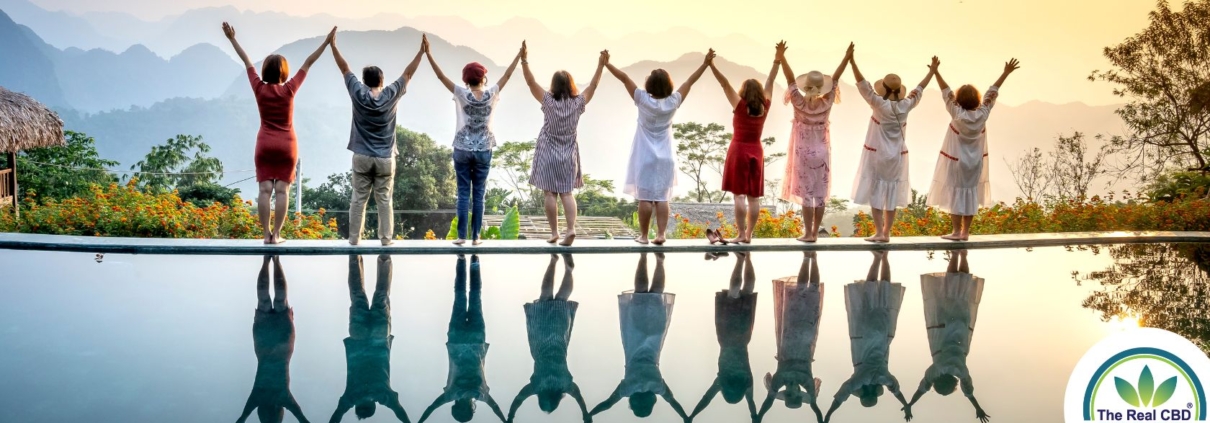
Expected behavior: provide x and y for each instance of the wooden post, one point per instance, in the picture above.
(12, 185)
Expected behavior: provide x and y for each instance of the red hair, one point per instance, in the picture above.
(473, 73)
(275, 69)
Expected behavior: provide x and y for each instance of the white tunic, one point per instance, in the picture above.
(960, 182)
(882, 180)
(951, 308)
(651, 173)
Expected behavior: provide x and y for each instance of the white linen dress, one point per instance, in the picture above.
(651, 173)
(960, 181)
(951, 307)
(882, 179)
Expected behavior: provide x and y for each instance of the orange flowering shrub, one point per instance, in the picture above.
(430, 236)
(125, 211)
(1022, 216)
(768, 225)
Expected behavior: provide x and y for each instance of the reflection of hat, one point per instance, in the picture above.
(813, 83)
(880, 87)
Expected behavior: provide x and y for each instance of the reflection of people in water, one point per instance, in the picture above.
(734, 315)
(466, 345)
(645, 314)
(273, 341)
(368, 347)
(548, 321)
(797, 307)
(951, 304)
(873, 309)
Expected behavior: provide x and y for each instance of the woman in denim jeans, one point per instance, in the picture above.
(473, 140)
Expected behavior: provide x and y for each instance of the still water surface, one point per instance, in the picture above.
(443, 338)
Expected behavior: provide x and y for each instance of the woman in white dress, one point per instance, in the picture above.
(960, 181)
(882, 180)
(873, 309)
(797, 308)
(645, 314)
(651, 173)
(951, 306)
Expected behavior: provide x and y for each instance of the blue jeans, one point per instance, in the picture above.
(471, 169)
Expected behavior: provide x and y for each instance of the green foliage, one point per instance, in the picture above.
(54, 174)
(701, 149)
(491, 232)
(511, 227)
(205, 193)
(1160, 71)
(596, 199)
(1178, 186)
(514, 160)
(453, 233)
(836, 205)
(179, 162)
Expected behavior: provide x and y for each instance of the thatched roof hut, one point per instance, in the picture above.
(25, 123)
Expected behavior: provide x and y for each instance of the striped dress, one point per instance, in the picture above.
(557, 153)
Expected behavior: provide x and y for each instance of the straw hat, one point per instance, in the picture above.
(813, 83)
(880, 86)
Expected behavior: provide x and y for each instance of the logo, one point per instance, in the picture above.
(1145, 374)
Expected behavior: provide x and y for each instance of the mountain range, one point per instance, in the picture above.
(132, 100)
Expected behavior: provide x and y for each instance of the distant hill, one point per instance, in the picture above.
(60, 29)
(35, 75)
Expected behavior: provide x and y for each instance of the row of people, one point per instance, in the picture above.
(960, 183)
(951, 302)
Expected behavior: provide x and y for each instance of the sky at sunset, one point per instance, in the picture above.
(1059, 42)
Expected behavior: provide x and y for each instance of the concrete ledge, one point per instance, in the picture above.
(586, 246)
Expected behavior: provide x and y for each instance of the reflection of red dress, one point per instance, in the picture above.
(276, 145)
(744, 170)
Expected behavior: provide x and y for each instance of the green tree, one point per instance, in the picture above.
(63, 172)
(1160, 71)
(701, 149)
(513, 161)
(179, 162)
(596, 199)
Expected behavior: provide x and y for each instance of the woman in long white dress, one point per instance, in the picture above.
(951, 306)
(645, 314)
(960, 182)
(882, 180)
(873, 309)
(651, 173)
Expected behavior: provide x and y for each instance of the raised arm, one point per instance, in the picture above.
(706, 399)
(940, 81)
(609, 402)
(318, 52)
(1009, 67)
(535, 90)
(229, 31)
(596, 77)
(676, 406)
(495, 407)
(575, 393)
(728, 91)
(428, 53)
(525, 393)
(441, 400)
(979, 413)
(414, 65)
(292, 405)
(932, 72)
(843, 63)
(621, 76)
(785, 65)
(248, 407)
(856, 71)
(772, 75)
(684, 90)
(342, 407)
(340, 59)
(397, 408)
(508, 73)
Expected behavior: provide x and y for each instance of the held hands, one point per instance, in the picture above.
(1011, 66)
(424, 43)
(331, 40)
(709, 61)
(229, 31)
(604, 59)
(934, 65)
(849, 53)
(982, 416)
(524, 52)
(781, 51)
(907, 412)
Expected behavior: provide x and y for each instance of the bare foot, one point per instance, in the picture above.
(353, 242)
(268, 239)
(659, 240)
(736, 240)
(459, 241)
(952, 237)
(277, 239)
(387, 242)
(477, 242)
(872, 239)
(883, 239)
(553, 239)
(570, 238)
(804, 238)
(641, 240)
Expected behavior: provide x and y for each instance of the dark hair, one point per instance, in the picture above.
(271, 414)
(968, 97)
(734, 383)
(372, 76)
(659, 84)
(275, 69)
(869, 395)
(473, 73)
(642, 403)
(463, 410)
(753, 94)
(563, 86)
(548, 401)
(945, 384)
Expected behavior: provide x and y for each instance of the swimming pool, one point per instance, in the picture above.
(139, 338)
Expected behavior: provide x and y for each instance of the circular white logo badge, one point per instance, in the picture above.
(1140, 375)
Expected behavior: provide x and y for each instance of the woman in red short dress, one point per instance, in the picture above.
(744, 170)
(276, 143)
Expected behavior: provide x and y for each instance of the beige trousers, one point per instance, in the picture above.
(377, 175)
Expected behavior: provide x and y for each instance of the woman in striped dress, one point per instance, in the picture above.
(556, 168)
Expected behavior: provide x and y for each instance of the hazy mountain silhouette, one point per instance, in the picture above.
(60, 29)
(28, 69)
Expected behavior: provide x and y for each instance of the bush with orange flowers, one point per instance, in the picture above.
(125, 211)
(1129, 213)
(768, 225)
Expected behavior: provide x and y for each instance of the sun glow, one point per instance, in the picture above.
(1124, 323)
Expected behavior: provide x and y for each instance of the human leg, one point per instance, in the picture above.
(661, 222)
(548, 279)
(462, 171)
(551, 207)
(362, 184)
(956, 225)
(263, 207)
(281, 207)
(568, 281)
(753, 217)
(384, 187)
(569, 213)
(482, 165)
(877, 215)
(645, 210)
(808, 222)
(741, 218)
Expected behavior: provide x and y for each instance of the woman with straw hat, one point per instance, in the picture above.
(882, 180)
(808, 179)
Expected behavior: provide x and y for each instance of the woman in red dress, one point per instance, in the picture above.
(276, 143)
(744, 170)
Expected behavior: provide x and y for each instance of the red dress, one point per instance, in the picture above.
(744, 170)
(276, 145)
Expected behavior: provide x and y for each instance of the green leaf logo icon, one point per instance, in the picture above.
(1146, 395)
